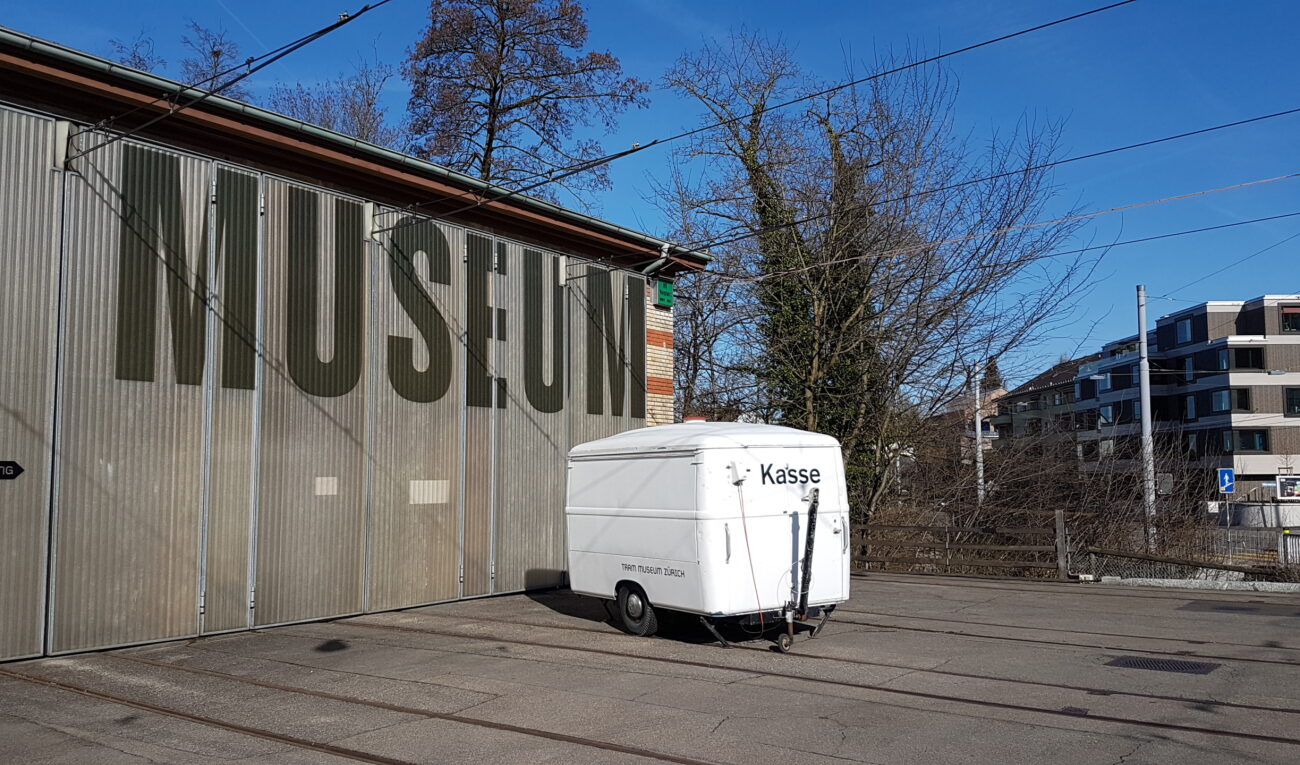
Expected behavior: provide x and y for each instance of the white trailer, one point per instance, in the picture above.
(710, 519)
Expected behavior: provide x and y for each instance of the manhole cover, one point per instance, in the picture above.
(1164, 665)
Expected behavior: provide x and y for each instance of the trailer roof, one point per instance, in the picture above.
(693, 436)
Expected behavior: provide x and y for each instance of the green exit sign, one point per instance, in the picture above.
(664, 294)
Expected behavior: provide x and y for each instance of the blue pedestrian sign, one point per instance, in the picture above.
(1227, 480)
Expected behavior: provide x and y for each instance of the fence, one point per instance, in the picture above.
(1015, 550)
(1100, 562)
(1034, 551)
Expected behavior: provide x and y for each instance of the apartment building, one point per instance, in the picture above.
(1045, 405)
(1225, 392)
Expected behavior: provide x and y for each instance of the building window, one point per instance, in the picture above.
(1189, 368)
(1105, 382)
(1192, 442)
(1245, 440)
(1241, 358)
(1291, 318)
(1247, 358)
(1232, 400)
(1058, 399)
(1106, 447)
(1106, 415)
(1189, 407)
(1137, 410)
(1183, 331)
(1292, 408)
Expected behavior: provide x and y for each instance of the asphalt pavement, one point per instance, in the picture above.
(913, 669)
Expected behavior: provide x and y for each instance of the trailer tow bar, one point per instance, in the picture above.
(786, 639)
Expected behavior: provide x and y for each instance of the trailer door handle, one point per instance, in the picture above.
(727, 529)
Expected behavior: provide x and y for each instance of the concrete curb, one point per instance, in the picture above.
(1201, 584)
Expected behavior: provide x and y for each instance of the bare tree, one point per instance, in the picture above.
(349, 104)
(138, 53)
(876, 279)
(499, 86)
(212, 61)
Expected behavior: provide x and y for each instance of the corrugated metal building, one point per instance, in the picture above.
(250, 381)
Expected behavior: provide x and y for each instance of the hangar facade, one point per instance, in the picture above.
(257, 373)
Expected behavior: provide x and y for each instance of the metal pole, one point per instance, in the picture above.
(1062, 568)
(979, 441)
(1148, 450)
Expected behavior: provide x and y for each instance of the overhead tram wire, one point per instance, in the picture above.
(980, 235)
(1233, 264)
(1170, 235)
(409, 209)
(567, 171)
(250, 65)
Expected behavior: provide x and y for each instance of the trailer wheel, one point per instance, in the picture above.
(783, 642)
(635, 609)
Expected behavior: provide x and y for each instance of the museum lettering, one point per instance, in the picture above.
(154, 258)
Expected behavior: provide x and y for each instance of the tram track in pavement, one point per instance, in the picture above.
(1090, 690)
(1181, 654)
(1076, 588)
(229, 727)
(995, 625)
(326, 748)
(1057, 712)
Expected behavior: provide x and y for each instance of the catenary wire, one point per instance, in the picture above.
(565, 172)
(1185, 232)
(995, 232)
(250, 65)
(1231, 265)
(960, 184)
(1020, 171)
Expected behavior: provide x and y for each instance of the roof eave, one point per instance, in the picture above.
(497, 197)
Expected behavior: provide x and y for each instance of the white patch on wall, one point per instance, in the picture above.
(430, 492)
(327, 485)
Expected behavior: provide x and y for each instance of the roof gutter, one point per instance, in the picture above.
(15, 39)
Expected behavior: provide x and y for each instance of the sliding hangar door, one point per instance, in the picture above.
(238, 400)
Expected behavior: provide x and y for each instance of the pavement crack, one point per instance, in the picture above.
(477, 704)
(1124, 758)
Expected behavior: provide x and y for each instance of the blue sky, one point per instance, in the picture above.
(1146, 70)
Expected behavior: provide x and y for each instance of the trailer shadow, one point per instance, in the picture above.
(673, 625)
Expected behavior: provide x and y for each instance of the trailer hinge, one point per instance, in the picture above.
(212, 192)
(261, 204)
(252, 598)
(494, 571)
(462, 573)
(203, 603)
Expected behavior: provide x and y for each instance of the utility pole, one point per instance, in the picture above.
(1148, 450)
(979, 440)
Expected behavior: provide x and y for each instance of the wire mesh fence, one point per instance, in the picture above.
(1100, 563)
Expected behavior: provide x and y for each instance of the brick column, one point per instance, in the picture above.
(658, 362)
